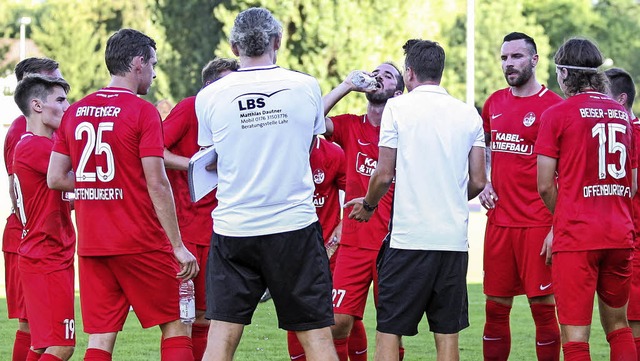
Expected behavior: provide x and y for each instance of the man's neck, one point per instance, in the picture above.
(37, 127)
(118, 81)
(528, 89)
(374, 114)
(265, 59)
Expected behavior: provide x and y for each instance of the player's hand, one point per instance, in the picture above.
(337, 232)
(546, 247)
(358, 212)
(188, 264)
(488, 197)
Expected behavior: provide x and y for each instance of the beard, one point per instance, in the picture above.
(522, 78)
(380, 97)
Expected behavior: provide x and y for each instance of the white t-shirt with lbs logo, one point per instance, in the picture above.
(261, 121)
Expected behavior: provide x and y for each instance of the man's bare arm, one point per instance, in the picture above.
(477, 172)
(59, 174)
(547, 187)
(174, 161)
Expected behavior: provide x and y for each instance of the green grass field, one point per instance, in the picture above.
(262, 340)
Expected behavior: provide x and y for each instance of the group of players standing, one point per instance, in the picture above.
(264, 220)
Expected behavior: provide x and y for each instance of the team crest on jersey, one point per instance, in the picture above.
(318, 176)
(529, 119)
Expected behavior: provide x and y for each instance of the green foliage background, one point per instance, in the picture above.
(325, 38)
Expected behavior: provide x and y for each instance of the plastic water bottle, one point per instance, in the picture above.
(332, 246)
(364, 81)
(187, 302)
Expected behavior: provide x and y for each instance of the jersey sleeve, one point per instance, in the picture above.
(319, 126)
(174, 128)
(151, 140)
(388, 128)
(15, 131)
(486, 117)
(479, 134)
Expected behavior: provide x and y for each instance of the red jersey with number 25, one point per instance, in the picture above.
(48, 237)
(513, 123)
(591, 137)
(106, 134)
(181, 138)
(359, 140)
(328, 170)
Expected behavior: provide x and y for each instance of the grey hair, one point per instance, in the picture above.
(252, 31)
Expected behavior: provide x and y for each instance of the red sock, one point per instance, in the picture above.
(33, 356)
(96, 354)
(637, 342)
(199, 339)
(547, 331)
(341, 348)
(296, 352)
(496, 341)
(179, 348)
(357, 343)
(21, 346)
(622, 346)
(401, 353)
(49, 357)
(576, 351)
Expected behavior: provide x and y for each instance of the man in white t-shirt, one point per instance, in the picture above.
(433, 145)
(262, 120)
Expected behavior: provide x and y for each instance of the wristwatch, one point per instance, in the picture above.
(368, 207)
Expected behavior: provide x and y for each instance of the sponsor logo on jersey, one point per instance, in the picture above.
(319, 200)
(318, 176)
(363, 142)
(495, 116)
(544, 287)
(529, 119)
(365, 165)
(509, 143)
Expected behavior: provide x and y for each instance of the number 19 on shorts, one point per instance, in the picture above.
(69, 328)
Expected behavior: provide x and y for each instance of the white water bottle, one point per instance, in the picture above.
(187, 302)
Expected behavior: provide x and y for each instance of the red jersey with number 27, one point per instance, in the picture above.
(359, 140)
(106, 134)
(591, 137)
(48, 239)
(513, 123)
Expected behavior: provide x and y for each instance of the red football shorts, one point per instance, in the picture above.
(513, 264)
(110, 284)
(352, 277)
(633, 312)
(49, 299)
(13, 287)
(201, 253)
(578, 275)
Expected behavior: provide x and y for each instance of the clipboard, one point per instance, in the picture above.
(202, 181)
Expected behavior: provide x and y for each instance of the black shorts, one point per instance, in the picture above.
(293, 265)
(413, 282)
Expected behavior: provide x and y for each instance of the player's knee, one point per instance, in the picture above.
(342, 327)
(174, 329)
(62, 352)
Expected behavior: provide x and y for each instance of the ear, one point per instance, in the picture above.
(534, 59)
(36, 105)
(137, 63)
(234, 49)
(277, 42)
(622, 99)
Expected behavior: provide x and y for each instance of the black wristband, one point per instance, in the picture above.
(368, 207)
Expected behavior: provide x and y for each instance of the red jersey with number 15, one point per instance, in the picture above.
(513, 123)
(106, 134)
(591, 137)
(48, 239)
(181, 138)
(359, 140)
(328, 170)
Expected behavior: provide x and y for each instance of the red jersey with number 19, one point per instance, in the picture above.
(48, 239)
(359, 140)
(513, 123)
(328, 169)
(591, 137)
(106, 134)
(181, 138)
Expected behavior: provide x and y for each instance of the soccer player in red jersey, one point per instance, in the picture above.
(13, 229)
(130, 252)
(355, 268)
(48, 239)
(623, 90)
(181, 143)
(328, 169)
(518, 220)
(587, 178)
